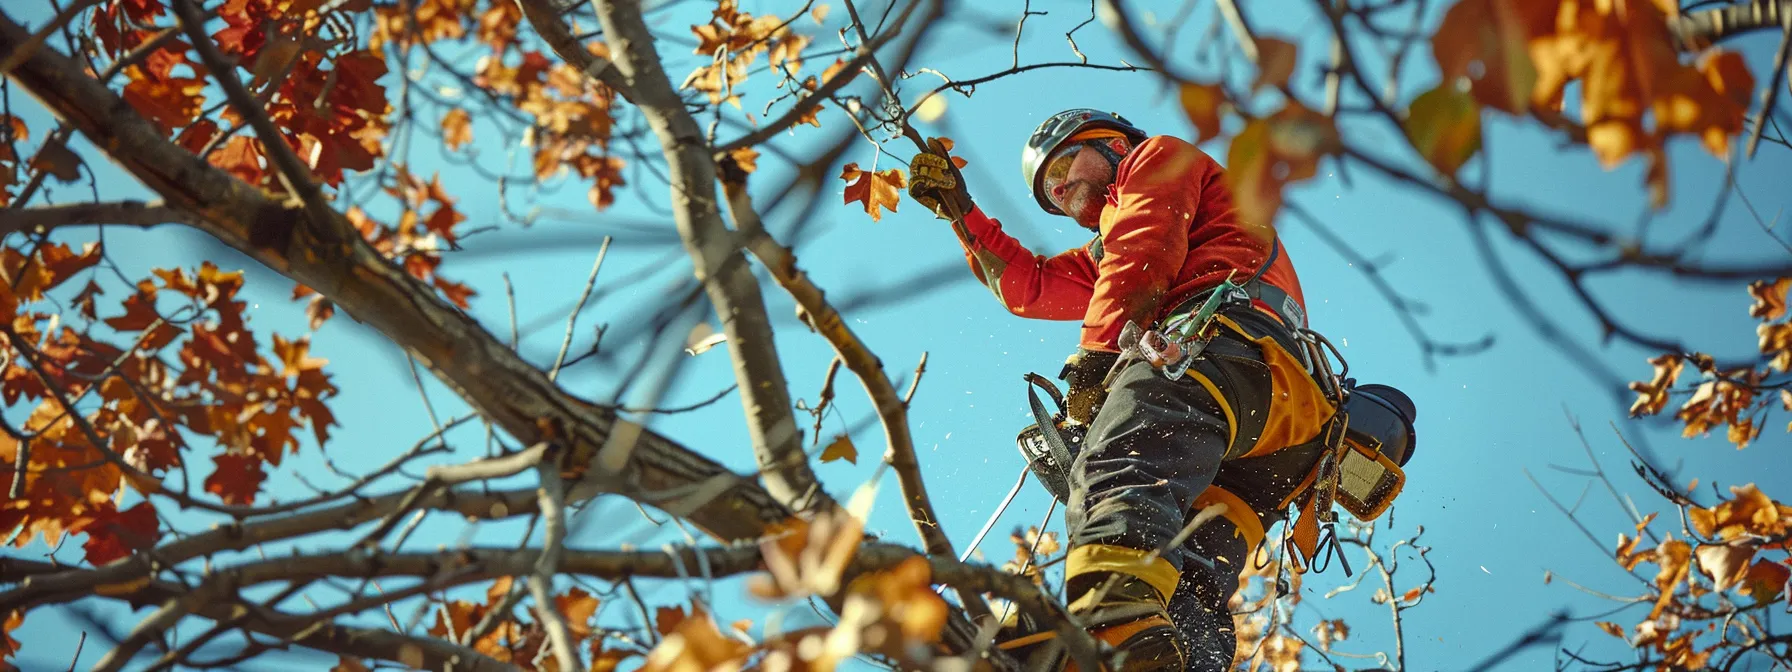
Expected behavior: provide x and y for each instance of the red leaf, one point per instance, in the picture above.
(235, 479)
(114, 534)
(9, 647)
(171, 102)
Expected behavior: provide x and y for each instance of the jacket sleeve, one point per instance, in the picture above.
(1057, 287)
(1144, 236)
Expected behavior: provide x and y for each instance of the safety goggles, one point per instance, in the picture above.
(1057, 170)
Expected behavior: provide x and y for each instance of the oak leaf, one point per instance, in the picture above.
(1444, 124)
(874, 189)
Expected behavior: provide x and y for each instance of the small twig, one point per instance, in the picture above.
(920, 368)
(553, 515)
(572, 318)
(1771, 91)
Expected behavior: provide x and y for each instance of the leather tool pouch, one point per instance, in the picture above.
(1378, 442)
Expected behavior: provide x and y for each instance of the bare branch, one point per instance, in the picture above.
(726, 277)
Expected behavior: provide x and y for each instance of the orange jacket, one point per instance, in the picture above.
(1168, 232)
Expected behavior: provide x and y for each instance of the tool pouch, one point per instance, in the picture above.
(1378, 441)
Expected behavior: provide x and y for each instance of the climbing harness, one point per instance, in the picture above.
(1363, 444)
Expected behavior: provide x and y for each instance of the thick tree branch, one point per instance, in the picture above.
(514, 394)
(720, 266)
(546, 20)
(824, 319)
(1703, 28)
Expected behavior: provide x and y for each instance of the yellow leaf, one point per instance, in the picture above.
(1444, 124)
(747, 158)
(820, 13)
(840, 449)
(1725, 564)
(931, 109)
(1201, 102)
(873, 189)
(1770, 298)
(457, 128)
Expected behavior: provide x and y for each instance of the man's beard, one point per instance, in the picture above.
(1081, 203)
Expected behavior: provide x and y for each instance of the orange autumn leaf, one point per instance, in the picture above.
(1653, 395)
(807, 557)
(1485, 42)
(1765, 580)
(1273, 152)
(1749, 512)
(840, 449)
(873, 189)
(1202, 103)
(9, 647)
(1770, 298)
(170, 102)
(1276, 59)
(457, 128)
(577, 607)
(695, 643)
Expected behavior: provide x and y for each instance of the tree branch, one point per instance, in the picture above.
(496, 382)
(546, 20)
(825, 320)
(1701, 29)
(720, 266)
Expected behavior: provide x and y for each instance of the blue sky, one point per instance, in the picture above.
(1484, 420)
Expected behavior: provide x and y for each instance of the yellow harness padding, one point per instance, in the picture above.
(1298, 408)
(1245, 522)
(1091, 558)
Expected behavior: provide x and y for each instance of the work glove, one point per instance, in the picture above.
(1085, 371)
(934, 182)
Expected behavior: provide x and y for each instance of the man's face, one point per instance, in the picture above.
(1082, 191)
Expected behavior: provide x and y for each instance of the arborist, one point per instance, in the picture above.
(1196, 383)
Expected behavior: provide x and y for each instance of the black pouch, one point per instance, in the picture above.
(1379, 441)
(1049, 444)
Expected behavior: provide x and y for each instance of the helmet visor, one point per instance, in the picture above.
(1057, 170)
